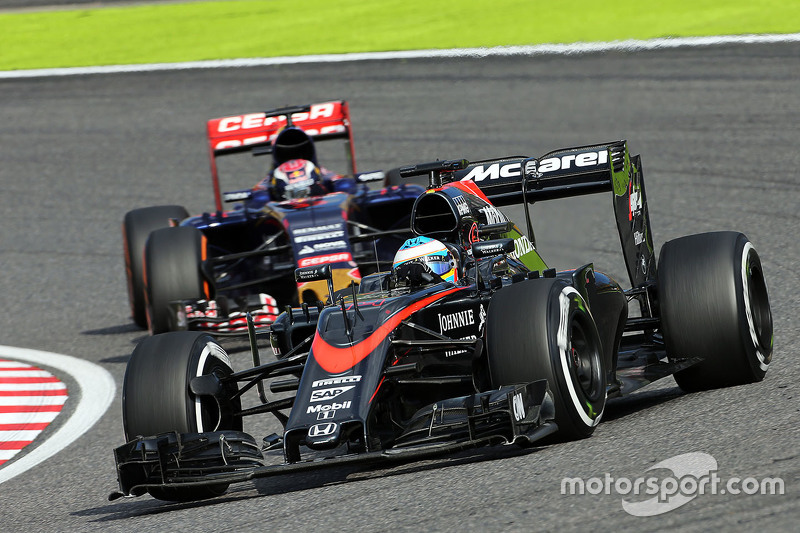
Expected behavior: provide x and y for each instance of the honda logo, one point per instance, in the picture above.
(322, 430)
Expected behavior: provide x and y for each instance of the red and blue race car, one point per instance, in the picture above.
(206, 271)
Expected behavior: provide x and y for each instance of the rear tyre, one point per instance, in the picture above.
(136, 227)
(714, 305)
(156, 397)
(542, 329)
(172, 259)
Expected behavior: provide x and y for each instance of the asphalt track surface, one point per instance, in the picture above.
(717, 129)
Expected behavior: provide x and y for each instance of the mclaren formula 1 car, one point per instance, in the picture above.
(205, 272)
(409, 364)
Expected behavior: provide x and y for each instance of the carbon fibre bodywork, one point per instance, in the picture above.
(398, 367)
(256, 247)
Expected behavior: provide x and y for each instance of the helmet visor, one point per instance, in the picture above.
(299, 189)
(439, 267)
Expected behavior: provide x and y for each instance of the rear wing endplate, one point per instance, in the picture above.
(255, 132)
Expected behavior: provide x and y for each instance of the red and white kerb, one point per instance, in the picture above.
(30, 398)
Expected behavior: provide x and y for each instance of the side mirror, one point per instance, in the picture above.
(501, 228)
(434, 170)
(313, 273)
(237, 196)
(316, 273)
(367, 177)
(491, 248)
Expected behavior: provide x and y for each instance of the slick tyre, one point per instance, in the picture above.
(542, 329)
(136, 227)
(714, 305)
(156, 397)
(172, 260)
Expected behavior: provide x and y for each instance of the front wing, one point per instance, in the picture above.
(513, 414)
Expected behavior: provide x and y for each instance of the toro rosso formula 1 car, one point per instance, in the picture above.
(205, 272)
(491, 348)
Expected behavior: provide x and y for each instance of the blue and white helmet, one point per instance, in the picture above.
(432, 254)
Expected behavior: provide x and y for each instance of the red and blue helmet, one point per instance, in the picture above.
(432, 254)
(295, 178)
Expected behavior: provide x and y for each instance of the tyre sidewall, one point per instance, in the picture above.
(758, 350)
(707, 309)
(528, 338)
(155, 395)
(583, 410)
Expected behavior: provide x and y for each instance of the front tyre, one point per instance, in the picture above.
(542, 329)
(156, 397)
(714, 305)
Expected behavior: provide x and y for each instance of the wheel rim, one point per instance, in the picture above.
(757, 309)
(208, 413)
(585, 361)
(759, 304)
(582, 376)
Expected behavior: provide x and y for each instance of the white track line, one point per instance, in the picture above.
(13, 364)
(97, 390)
(28, 418)
(32, 400)
(5, 387)
(29, 373)
(630, 45)
(22, 435)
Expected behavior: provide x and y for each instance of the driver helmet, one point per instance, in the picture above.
(292, 143)
(432, 254)
(296, 178)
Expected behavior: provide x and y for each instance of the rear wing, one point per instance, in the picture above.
(255, 132)
(559, 174)
(571, 172)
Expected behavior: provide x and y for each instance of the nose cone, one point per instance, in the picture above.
(323, 436)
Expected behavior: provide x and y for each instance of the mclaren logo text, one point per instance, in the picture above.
(513, 169)
(494, 171)
(585, 159)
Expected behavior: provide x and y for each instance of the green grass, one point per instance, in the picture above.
(252, 28)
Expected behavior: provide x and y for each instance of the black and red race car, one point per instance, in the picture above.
(408, 365)
(205, 272)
